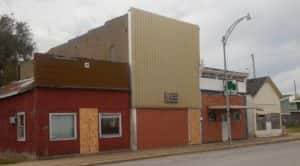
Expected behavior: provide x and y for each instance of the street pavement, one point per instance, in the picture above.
(280, 154)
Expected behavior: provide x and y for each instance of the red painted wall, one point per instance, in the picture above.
(67, 100)
(161, 127)
(50, 100)
(8, 136)
(212, 130)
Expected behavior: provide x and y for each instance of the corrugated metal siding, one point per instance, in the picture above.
(165, 58)
(26, 70)
(96, 43)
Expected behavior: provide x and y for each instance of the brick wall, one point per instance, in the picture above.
(212, 130)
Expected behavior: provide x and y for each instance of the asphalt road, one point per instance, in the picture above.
(281, 154)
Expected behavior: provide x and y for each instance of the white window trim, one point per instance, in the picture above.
(50, 127)
(110, 115)
(18, 138)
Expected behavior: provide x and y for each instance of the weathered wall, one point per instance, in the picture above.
(164, 58)
(26, 70)
(8, 137)
(53, 71)
(66, 100)
(97, 42)
(158, 128)
(212, 130)
(49, 100)
(250, 117)
(268, 99)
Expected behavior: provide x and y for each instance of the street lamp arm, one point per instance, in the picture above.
(232, 27)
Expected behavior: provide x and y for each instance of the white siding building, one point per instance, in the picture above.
(263, 93)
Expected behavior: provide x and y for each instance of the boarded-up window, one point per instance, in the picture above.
(275, 120)
(260, 122)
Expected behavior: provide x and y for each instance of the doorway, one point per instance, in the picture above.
(224, 127)
(89, 131)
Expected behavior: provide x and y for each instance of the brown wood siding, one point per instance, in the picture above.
(57, 72)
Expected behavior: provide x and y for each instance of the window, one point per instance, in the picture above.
(236, 116)
(260, 122)
(21, 131)
(212, 116)
(208, 75)
(298, 106)
(275, 121)
(62, 126)
(110, 125)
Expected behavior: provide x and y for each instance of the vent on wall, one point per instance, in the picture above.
(171, 97)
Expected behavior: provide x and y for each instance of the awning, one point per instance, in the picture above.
(222, 107)
(16, 87)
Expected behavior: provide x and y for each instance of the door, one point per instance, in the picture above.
(268, 125)
(224, 127)
(89, 132)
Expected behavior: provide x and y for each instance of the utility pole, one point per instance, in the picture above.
(253, 66)
(295, 89)
(226, 90)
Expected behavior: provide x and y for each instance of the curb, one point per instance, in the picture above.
(165, 154)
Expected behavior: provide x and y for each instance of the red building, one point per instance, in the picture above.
(44, 117)
(214, 117)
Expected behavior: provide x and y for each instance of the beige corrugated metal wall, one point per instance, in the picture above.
(96, 43)
(26, 70)
(164, 58)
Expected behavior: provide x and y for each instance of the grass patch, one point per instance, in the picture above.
(11, 160)
(294, 129)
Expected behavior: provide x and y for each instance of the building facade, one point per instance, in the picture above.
(214, 117)
(146, 65)
(163, 57)
(263, 93)
(65, 105)
(290, 110)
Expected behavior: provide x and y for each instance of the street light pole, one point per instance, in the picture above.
(226, 91)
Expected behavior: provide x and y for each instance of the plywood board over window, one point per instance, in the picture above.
(89, 137)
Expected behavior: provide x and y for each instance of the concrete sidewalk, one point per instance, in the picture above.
(105, 158)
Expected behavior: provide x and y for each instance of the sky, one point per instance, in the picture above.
(272, 35)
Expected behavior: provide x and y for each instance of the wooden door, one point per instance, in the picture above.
(89, 131)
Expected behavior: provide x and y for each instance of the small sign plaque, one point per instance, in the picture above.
(171, 97)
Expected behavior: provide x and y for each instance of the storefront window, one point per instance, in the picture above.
(110, 125)
(62, 126)
(260, 122)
